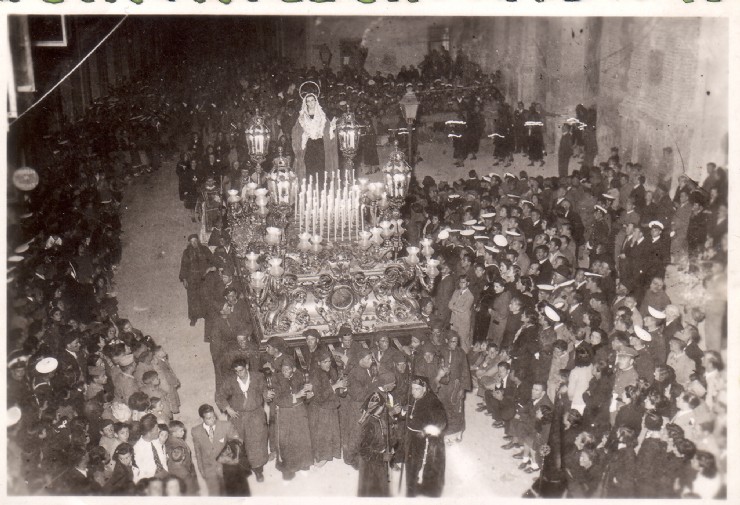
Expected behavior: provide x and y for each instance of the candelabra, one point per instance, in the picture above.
(258, 141)
(348, 133)
(396, 177)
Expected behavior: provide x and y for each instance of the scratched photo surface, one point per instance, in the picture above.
(340, 256)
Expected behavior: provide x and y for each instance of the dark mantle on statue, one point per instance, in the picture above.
(371, 290)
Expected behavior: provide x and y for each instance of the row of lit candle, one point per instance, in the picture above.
(334, 211)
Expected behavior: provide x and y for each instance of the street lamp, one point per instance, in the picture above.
(348, 131)
(410, 107)
(258, 140)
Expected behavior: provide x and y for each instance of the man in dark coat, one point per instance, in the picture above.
(222, 338)
(197, 260)
(445, 287)
(359, 387)
(374, 447)
(453, 387)
(293, 440)
(426, 421)
(242, 396)
(323, 409)
(565, 151)
(75, 480)
(212, 293)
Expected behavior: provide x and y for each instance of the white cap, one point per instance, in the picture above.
(13, 416)
(488, 215)
(608, 196)
(467, 233)
(15, 259)
(470, 222)
(566, 283)
(443, 235)
(509, 174)
(552, 314)
(592, 274)
(545, 287)
(526, 201)
(657, 224)
(642, 334)
(478, 227)
(599, 207)
(492, 249)
(657, 314)
(47, 365)
(453, 196)
(481, 237)
(22, 248)
(500, 241)
(513, 233)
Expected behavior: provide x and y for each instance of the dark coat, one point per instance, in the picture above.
(620, 474)
(426, 476)
(652, 481)
(597, 398)
(442, 296)
(373, 445)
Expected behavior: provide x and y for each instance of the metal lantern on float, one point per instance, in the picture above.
(397, 175)
(348, 131)
(258, 139)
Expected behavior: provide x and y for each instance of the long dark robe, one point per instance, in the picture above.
(323, 417)
(292, 432)
(359, 388)
(425, 466)
(452, 394)
(372, 447)
(193, 266)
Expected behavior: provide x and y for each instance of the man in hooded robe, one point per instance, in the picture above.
(197, 260)
(314, 141)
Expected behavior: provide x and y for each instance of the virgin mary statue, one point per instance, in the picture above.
(314, 141)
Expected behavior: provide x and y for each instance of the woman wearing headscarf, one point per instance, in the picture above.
(314, 140)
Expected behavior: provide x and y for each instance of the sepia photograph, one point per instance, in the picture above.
(316, 256)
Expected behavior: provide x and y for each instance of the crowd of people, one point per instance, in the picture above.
(551, 307)
(556, 290)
